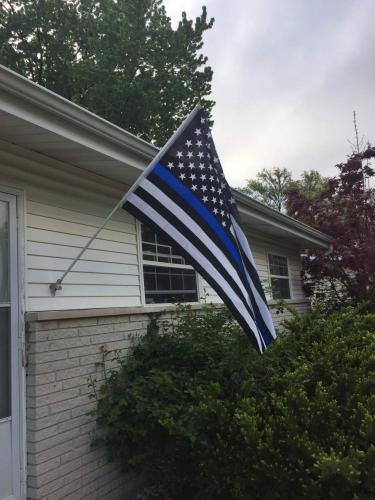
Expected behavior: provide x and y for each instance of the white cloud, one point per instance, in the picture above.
(287, 76)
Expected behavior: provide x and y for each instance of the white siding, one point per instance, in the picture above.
(61, 215)
(64, 206)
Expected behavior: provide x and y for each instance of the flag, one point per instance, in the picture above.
(184, 196)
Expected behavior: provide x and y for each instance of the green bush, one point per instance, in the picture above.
(199, 413)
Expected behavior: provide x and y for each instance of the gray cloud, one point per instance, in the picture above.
(287, 76)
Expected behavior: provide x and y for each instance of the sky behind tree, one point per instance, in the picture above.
(287, 76)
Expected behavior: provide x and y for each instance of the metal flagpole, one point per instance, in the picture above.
(54, 287)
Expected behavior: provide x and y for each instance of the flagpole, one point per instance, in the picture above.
(54, 287)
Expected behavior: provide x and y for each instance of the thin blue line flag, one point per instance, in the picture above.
(184, 196)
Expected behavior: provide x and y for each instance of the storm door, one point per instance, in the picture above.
(9, 351)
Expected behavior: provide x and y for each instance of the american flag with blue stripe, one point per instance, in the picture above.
(184, 196)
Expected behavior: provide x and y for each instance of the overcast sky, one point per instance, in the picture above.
(287, 76)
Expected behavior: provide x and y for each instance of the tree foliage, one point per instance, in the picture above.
(198, 413)
(345, 210)
(121, 59)
(272, 186)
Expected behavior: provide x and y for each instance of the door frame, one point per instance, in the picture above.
(18, 380)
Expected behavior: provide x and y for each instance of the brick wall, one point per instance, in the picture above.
(62, 355)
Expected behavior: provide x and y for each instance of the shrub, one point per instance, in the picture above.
(199, 413)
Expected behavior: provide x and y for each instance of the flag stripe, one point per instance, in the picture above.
(253, 279)
(184, 193)
(184, 223)
(198, 257)
(196, 216)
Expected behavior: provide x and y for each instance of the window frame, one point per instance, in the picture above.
(277, 253)
(154, 263)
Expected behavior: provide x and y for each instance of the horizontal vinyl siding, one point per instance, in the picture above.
(260, 249)
(106, 275)
(64, 206)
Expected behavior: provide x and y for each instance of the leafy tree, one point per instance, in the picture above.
(199, 414)
(271, 186)
(345, 210)
(119, 58)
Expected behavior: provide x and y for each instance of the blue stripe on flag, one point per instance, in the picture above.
(177, 186)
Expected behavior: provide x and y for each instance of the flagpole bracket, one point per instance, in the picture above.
(54, 287)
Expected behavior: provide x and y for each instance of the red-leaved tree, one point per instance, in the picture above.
(345, 210)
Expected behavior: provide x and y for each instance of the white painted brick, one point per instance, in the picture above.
(56, 397)
(57, 451)
(37, 470)
(79, 371)
(35, 413)
(130, 327)
(38, 326)
(95, 330)
(41, 390)
(83, 351)
(49, 421)
(64, 333)
(83, 409)
(73, 323)
(46, 378)
(44, 357)
(40, 368)
(68, 404)
(113, 319)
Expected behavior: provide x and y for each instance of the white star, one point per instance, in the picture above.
(188, 143)
(192, 177)
(211, 167)
(222, 212)
(203, 177)
(208, 134)
(191, 165)
(204, 188)
(213, 189)
(214, 200)
(231, 200)
(199, 144)
(182, 176)
(208, 145)
(205, 198)
(194, 187)
(180, 165)
(216, 159)
(203, 120)
(221, 202)
(201, 166)
(200, 154)
(219, 190)
(190, 154)
(179, 154)
(224, 223)
(170, 165)
(215, 210)
(222, 185)
(197, 131)
(211, 178)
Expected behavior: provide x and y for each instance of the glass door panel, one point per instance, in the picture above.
(4, 312)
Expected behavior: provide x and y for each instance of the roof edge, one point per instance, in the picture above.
(31, 92)
(307, 231)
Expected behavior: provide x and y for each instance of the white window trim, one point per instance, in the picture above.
(143, 262)
(280, 254)
(20, 462)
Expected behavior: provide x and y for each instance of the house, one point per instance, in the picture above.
(62, 169)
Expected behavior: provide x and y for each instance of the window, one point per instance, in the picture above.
(279, 275)
(167, 278)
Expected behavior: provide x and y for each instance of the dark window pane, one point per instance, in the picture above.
(280, 288)
(190, 282)
(177, 282)
(148, 234)
(4, 362)
(278, 265)
(150, 281)
(162, 282)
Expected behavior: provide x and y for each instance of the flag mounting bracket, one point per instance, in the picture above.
(54, 287)
(57, 286)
